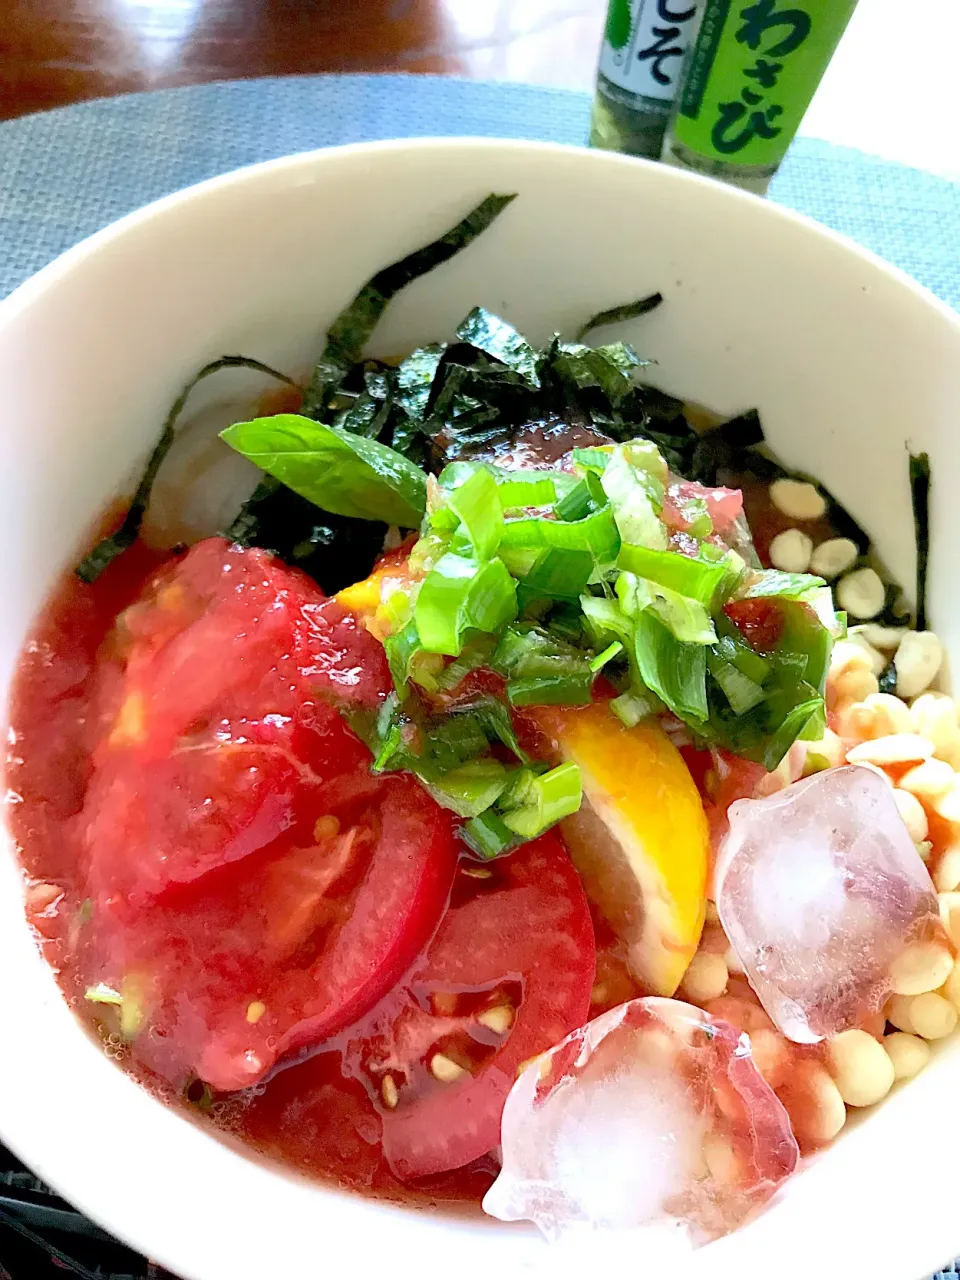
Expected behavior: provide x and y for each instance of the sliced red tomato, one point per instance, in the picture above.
(508, 974)
(212, 735)
(225, 977)
(724, 506)
(759, 621)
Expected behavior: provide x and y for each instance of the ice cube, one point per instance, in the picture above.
(652, 1116)
(820, 890)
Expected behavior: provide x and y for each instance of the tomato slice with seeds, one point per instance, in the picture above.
(211, 734)
(227, 976)
(508, 974)
(253, 887)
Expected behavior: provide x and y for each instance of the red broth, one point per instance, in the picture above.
(319, 1116)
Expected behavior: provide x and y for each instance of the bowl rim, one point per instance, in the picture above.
(47, 279)
(70, 258)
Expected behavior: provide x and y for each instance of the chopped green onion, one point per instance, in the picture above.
(475, 653)
(459, 593)
(741, 692)
(675, 672)
(574, 689)
(389, 733)
(493, 598)
(592, 459)
(517, 492)
(543, 800)
(477, 503)
(441, 603)
(687, 619)
(771, 582)
(456, 739)
(612, 651)
(585, 496)
(634, 494)
(697, 579)
(399, 650)
(488, 835)
(631, 707)
(495, 718)
(732, 649)
(560, 573)
(596, 533)
(471, 788)
(806, 721)
(605, 619)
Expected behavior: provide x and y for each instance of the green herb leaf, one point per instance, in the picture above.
(675, 672)
(772, 582)
(336, 470)
(351, 330)
(107, 549)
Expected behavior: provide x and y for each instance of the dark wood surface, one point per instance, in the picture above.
(54, 52)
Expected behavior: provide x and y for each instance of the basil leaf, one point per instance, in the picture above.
(351, 330)
(334, 469)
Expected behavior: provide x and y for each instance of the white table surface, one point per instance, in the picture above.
(893, 87)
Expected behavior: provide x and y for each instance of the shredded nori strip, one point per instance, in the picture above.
(351, 330)
(616, 315)
(920, 497)
(334, 550)
(107, 549)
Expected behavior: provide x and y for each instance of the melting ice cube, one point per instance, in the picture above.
(654, 1116)
(820, 889)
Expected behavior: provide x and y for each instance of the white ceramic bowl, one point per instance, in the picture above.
(848, 362)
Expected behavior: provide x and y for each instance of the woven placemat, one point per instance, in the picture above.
(65, 174)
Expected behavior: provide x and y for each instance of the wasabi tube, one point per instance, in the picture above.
(748, 82)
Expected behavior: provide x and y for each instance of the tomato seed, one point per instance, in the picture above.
(326, 828)
(498, 1019)
(477, 873)
(445, 1069)
(389, 1092)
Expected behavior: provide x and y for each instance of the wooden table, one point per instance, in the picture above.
(54, 52)
(892, 88)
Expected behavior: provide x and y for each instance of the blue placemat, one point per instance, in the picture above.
(65, 174)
